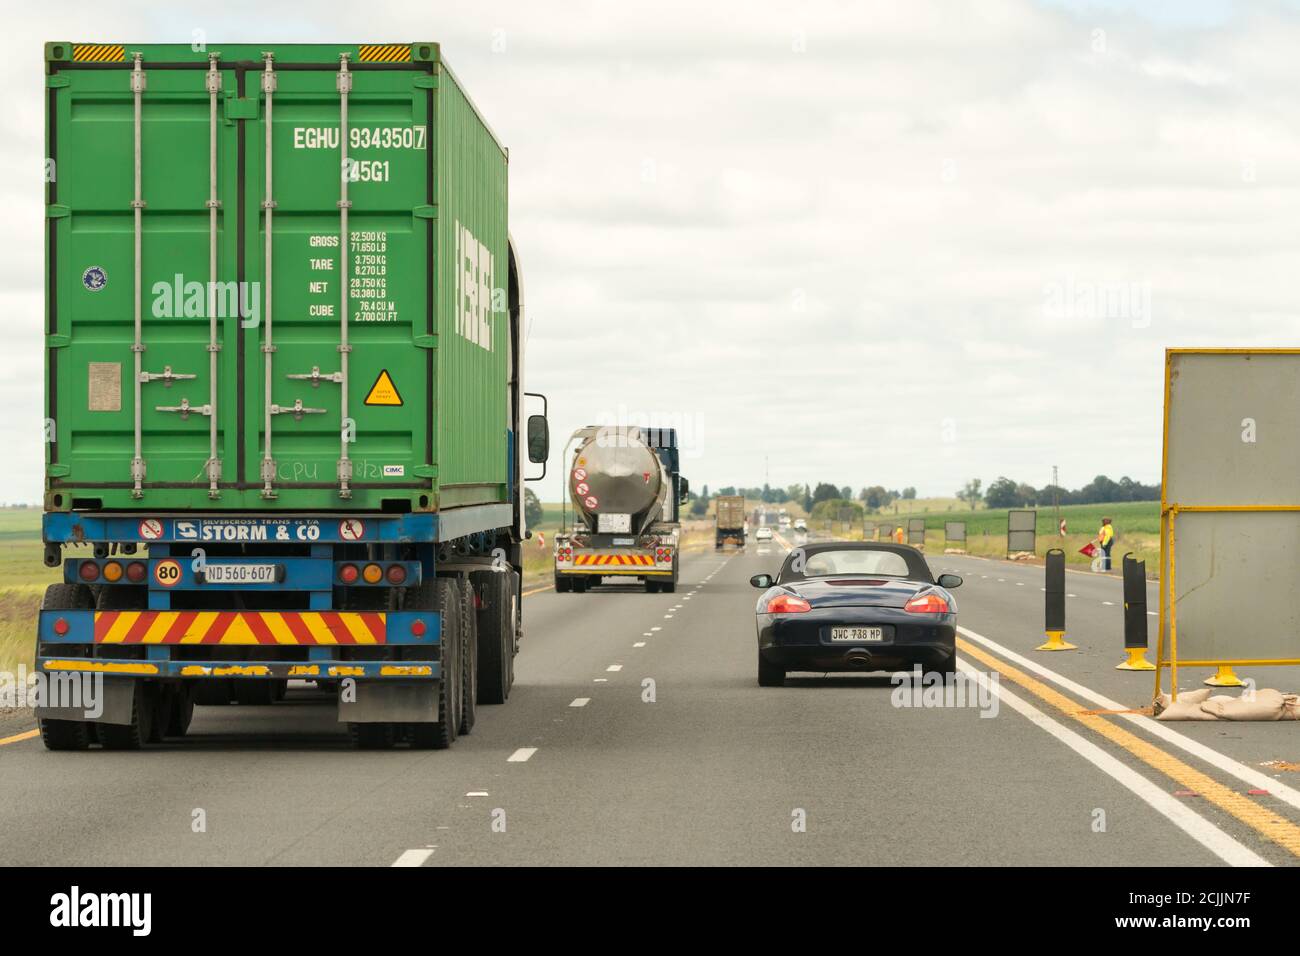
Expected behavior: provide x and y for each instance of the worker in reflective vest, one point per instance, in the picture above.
(1106, 538)
(899, 536)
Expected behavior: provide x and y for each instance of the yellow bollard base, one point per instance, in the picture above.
(1055, 642)
(1137, 660)
(1224, 677)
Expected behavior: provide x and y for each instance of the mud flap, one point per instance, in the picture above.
(379, 702)
(108, 703)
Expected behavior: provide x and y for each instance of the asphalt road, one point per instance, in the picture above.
(637, 734)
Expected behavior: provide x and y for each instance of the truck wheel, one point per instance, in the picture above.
(562, 585)
(496, 635)
(651, 586)
(131, 736)
(468, 657)
(180, 711)
(213, 691)
(372, 736)
(66, 734)
(253, 691)
(443, 594)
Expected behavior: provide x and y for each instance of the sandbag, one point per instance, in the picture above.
(1196, 697)
(1262, 705)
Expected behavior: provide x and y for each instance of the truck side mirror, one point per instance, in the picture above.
(683, 491)
(539, 439)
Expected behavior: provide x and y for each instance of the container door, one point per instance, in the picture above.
(142, 300)
(338, 355)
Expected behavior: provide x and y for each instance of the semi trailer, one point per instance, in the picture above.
(729, 521)
(285, 421)
(626, 487)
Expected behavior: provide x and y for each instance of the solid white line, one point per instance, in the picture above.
(614, 667)
(413, 858)
(1197, 827)
(580, 702)
(1250, 775)
(522, 754)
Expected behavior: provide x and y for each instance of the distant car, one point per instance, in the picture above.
(855, 606)
(764, 533)
(800, 525)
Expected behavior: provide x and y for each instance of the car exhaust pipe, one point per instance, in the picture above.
(858, 660)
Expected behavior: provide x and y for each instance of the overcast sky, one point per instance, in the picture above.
(866, 243)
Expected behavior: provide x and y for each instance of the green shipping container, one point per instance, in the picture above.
(278, 278)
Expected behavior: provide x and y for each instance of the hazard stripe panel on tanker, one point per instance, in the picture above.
(98, 53)
(613, 559)
(384, 53)
(239, 627)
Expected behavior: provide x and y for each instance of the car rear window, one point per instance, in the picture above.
(824, 562)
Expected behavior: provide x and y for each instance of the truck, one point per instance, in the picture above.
(626, 488)
(728, 520)
(285, 419)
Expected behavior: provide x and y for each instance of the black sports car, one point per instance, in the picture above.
(851, 606)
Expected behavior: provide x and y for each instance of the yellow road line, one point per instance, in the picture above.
(1264, 821)
(547, 587)
(18, 738)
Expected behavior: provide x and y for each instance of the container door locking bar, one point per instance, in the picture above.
(268, 206)
(213, 82)
(343, 83)
(137, 346)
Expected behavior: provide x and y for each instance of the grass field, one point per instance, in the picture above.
(1137, 529)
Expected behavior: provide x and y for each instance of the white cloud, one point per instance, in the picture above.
(820, 257)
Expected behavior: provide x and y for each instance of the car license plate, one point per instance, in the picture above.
(857, 634)
(239, 573)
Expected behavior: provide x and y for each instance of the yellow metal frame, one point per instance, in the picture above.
(1169, 536)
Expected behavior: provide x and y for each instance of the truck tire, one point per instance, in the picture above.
(66, 734)
(372, 736)
(468, 657)
(651, 586)
(180, 711)
(444, 597)
(213, 691)
(139, 731)
(562, 585)
(496, 634)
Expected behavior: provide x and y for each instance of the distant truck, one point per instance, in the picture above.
(329, 493)
(626, 489)
(729, 520)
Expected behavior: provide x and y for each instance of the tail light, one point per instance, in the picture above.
(348, 574)
(396, 574)
(372, 574)
(418, 627)
(135, 572)
(788, 604)
(61, 626)
(112, 571)
(926, 604)
(89, 571)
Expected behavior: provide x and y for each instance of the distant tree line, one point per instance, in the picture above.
(1006, 493)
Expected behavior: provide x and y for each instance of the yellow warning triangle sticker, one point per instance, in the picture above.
(383, 392)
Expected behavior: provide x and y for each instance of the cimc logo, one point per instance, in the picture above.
(477, 296)
(77, 909)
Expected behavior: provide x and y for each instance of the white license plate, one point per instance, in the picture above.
(240, 573)
(857, 634)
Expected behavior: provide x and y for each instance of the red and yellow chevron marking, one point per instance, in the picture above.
(384, 53)
(98, 53)
(239, 627)
(621, 559)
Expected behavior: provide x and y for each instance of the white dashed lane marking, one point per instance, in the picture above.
(413, 858)
(522, 754)
(580, 702)
(614, 668)
(639, 644)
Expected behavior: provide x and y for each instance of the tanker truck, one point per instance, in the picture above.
(625, 488)
(329, 494)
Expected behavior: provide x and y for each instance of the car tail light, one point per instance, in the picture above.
(373, 573)
(396, 574)
(787, 604)
(89, 571)
(112, 571)
(61, 626)
(348, 574)
(926, 604)
(135, 572)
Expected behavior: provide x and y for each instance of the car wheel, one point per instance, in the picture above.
(770, 675)
(948, 665)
